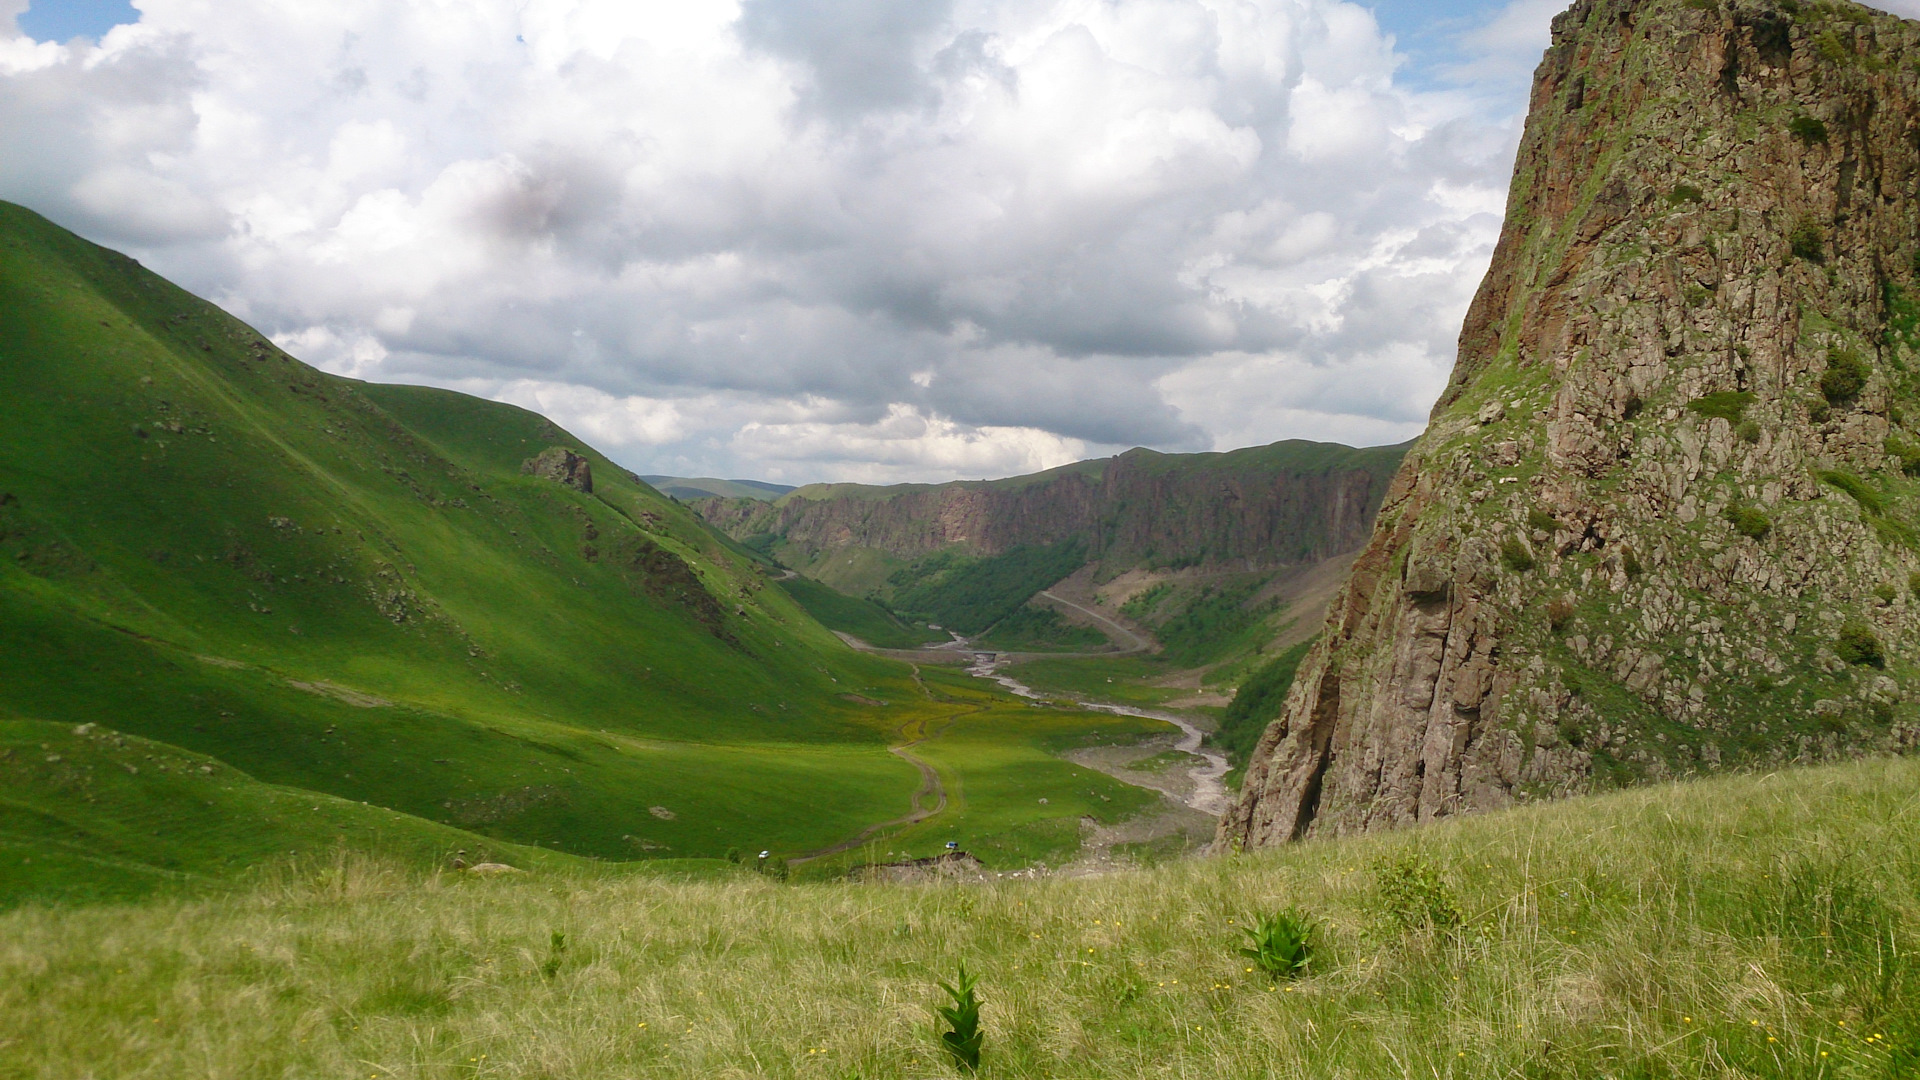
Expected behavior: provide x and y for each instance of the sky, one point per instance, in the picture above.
(810, 240)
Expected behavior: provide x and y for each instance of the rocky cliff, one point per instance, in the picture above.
(1663, 518)
(1290, 502)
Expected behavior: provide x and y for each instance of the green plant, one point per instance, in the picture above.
(1748, 521)
(1559, 612)
(1748, 431)
(1516, 556)
(963, 1036)
(1808, 129)
(556, 954)
(1540, 521)
(1280, 944)
(1845, 377)
(1905, 453)
(1411, 896)
(1856, 643)
(1630, 563)
(1684, 193)
(1856, 489)
(1886, 591)
(1809, 242)
(1728, 405)
(1913, 583)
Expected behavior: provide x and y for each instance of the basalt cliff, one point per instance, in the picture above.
(1664, 518)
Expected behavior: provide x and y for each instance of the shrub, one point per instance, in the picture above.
(1818, 410)
(1281, 944)
(1541, 521)
(1632, 408)
(1559, 612)
(1845, 377)
(1809, 242)
(1631, 564)
(1748, 521)
(1886, 592)
(963, 1036)
(1858, 644)
(1906, 453)
(1748, 431)
(1684, 193)
(1516, 556)
(1857, 489)
(1808, 129)
(1913, 583)
(1410, 895)
(1728, 405)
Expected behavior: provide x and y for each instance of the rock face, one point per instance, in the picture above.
(562, 465)
(1285, 503)
(1662, 520)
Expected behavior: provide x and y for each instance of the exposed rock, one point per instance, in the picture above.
(1683, 406)
(559, 464)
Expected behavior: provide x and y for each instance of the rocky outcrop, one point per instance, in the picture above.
(1662, 520)
(1286, 503)
(561, 465)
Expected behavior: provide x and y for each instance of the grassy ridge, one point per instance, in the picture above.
(356, 590)
(863, 619)
(970, 595)
(1751, 926)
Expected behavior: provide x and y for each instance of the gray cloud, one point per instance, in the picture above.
(865, 238)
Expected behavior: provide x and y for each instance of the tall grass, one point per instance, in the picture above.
(1746, 926)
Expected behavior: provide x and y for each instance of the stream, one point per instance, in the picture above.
(1209, 792)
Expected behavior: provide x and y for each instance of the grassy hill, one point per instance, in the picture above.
(1753, 926)
(360, 591)
(708, 487)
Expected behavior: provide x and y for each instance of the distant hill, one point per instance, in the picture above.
(706, 487)
(390, 594)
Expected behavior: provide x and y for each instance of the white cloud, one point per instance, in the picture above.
(797, 238)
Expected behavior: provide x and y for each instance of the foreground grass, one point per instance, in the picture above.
(1751, 926)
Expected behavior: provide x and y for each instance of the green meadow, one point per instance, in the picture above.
(1745, 926)
(360, 593)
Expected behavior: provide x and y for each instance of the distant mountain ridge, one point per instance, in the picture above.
(1286, 503)
(687, 488)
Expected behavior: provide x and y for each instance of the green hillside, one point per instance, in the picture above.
(1737, 928)
(708, 487)
(360, 591)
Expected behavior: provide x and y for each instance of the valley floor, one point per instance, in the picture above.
(1750, 926)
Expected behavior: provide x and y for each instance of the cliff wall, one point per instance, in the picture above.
(1662, 520)
(1287, 503)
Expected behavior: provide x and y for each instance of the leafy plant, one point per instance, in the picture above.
(1540, 521)
(1845, 377)
(1748, 521)
(1809, 242)
(1858, 644)
(1906, 453)
(1559, 612)
(1281, 943)
(1856, 489)
(1748, 431)
(1684, 193)
(1728, 405)
(1886, 592)
(963, 1036)
(556, 954)
(1808, 129)
(1913, 583)
(1410, 895)
(1516, 556)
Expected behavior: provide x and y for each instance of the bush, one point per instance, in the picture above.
(1845, 377)
(1748, 431)
(1280, 943)
(1886, 592)
(1684, 193)
(1906, 454)
(1856, 489)
(1858, 644)
(1913, 583)
(1748, 521)
(1728, 405)
(1410, 895)
(1559, 613)
(1809, 242)
(1516, 556)
(1541, 521)
(1631, 564)
(1808, 129)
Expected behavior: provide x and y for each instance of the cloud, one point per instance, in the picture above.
(800, 239)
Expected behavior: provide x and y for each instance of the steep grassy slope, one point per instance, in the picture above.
(1760, 926)
(358, 590)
